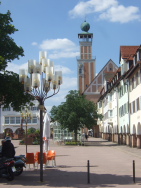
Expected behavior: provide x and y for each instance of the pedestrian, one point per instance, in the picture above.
(86, 136)
(8, 150)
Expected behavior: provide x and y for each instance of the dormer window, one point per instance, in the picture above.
(111, 69)
(139, 55)
(135, 59)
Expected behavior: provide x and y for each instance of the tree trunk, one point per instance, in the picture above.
(75, 135)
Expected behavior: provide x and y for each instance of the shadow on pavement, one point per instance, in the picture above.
(60, 178)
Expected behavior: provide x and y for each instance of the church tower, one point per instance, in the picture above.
(85, 63)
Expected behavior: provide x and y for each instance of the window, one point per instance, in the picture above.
(110, 113)
(135, 59)
(133, 106)
(28, 120)
(137, 104)
(125, 88)
(100, 104)
(140, 75)
(140, 103)
(6, 120)
(127, 107)
(111, 69)
(34, 120)
(133, 83)
(18, 120)
(125, 110)
(137, 79)
(120, 112)
(34, 108)
(139, 54)
(110, 97)
(6, 109)
(12, 120)
(80, 70)
(121, 91)
(130, 85)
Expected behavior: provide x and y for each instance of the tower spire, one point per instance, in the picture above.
(86, 64)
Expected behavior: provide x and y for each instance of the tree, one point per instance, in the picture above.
(8, 48)
(77, 112)
(11, 91)
(31, 130)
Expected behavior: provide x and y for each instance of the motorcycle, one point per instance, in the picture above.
(7, 169)
(20, 163)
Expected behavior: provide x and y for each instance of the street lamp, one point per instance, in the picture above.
(26, 115)
(38, 82)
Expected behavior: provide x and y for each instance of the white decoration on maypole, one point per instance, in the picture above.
(46, 131)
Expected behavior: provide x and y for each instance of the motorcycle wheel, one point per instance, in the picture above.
(10, 175)
(18, 171)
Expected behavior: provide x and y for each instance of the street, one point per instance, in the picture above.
(111, 165)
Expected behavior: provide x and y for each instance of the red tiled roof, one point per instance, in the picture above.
(128, 51)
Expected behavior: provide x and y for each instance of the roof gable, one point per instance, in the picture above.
(127, 52)
(97, 83)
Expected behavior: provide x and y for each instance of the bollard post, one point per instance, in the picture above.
(133, 171)
(88, 167)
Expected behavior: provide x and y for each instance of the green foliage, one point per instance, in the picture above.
(8, 48)
(73, 143)
(37, 131)
(75, 113)
(31, 131)
(35, 134)
(11, 92)
(22, 142)
(36, 141)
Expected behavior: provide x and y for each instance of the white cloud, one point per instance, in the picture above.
(121, 14)
(65, 70)
(63, 54)
(34, 43)
(107, 9)
(91, 6)
(53, 44)
(15, 68)
(60, 48)
(69, 83)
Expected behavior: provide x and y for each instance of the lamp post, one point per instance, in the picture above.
(26, 115)
(38, 82)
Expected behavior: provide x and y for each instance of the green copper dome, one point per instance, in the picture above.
(85, 26)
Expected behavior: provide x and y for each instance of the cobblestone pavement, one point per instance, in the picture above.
(110, 166)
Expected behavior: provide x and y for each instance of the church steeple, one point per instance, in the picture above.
(86, 63)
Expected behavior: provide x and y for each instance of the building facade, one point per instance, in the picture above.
(123, 94)
(12, 123)
(89, 83)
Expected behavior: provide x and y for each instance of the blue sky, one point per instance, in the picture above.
(53, 25)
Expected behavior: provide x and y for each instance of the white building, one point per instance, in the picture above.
(122, 100)
(11, 121)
